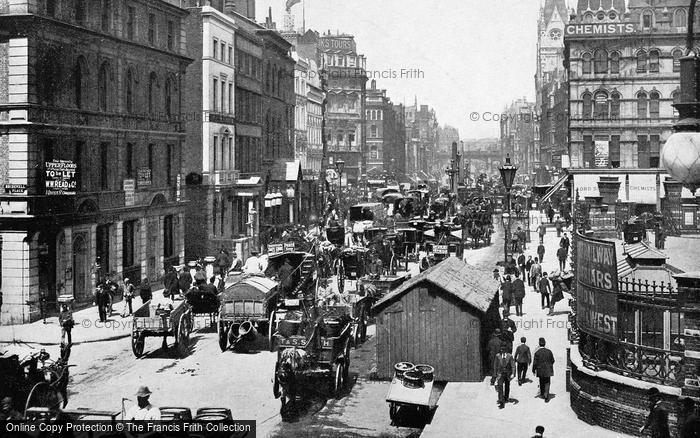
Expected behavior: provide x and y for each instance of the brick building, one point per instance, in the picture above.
(422, 138)
(386, 135)
(92, 139)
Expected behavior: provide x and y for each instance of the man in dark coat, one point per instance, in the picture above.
(102, 300)
(145, 291)
(657, 420)
(493, 347)
(506, 292)
(511, 266)
(503, 372)
(170, 282)
(543, 368)
(522, 359)
(521, 265)
(565, 242)
(518, 294)
(184, 281)
(690, 427)
(562, 254)
(508, 330)
(528, 266)
(550, 214)
(545, 290)
(284, 276)
(223, 261)
(540, 252)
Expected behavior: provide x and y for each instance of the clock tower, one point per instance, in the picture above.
(550, 40)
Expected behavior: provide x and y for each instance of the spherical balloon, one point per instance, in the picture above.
(681, 157)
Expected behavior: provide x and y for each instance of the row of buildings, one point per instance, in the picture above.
(136, 135)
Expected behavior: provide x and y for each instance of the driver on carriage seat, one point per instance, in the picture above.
(284, 276)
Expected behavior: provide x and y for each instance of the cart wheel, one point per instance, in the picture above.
(276, 385)
(223, 336)
(392, 412)
(44, 395)
(183, 336)
(338, 379)
(270, 332)
(137, 343)
(346, 366)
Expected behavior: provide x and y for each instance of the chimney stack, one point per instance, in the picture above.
(229, 6)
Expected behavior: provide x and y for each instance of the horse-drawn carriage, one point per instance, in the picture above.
(316, 345)
(247, 309)
(162, 320)
(36, 381)
(443, 241)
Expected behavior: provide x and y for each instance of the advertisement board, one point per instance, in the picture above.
(602, 153)
(143, 177)
(60, 177)
(597, 287)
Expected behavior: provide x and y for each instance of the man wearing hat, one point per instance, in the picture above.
(184, 280)
(657, 421)
(143, 410)
(691, 422)
(503, 372)
(493, 347)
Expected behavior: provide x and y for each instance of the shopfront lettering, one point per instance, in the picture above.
(600, 29)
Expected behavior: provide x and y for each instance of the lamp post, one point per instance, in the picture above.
(507, 176)
(340, 166)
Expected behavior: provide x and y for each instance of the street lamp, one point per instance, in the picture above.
(340, 166)
(507, 176)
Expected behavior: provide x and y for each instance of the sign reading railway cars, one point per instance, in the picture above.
(597, 287)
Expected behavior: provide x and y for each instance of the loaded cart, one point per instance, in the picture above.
(411, 387)
(162, 320)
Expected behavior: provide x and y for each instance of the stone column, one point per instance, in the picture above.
(689, 298)
(609, 188)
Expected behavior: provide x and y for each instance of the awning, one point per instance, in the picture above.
(555, 188)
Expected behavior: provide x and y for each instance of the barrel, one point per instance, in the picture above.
(246, 331)
(401, 367)
(427, 372)
(413, 379)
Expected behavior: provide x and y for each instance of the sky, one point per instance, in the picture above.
(473, 56)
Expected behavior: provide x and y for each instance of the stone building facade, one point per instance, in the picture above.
(91, 109)
(519, 137)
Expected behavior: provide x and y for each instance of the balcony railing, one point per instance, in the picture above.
(641, 362)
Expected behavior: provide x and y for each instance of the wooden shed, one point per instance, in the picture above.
(443, 318)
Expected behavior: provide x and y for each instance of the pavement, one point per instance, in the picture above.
(473, 406)
(88, 327)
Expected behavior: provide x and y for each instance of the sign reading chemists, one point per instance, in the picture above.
(596, 291)
(600, 29)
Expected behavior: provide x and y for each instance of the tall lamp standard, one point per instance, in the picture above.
(507, 176)
(340, 166)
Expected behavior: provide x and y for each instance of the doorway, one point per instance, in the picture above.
(80, 270)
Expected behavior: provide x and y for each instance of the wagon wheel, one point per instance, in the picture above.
(276, 385)
(138, 341)
(337, 375)
(183, 336)
(346, 364)
(393, 408)
(223, 336)
(271, 332)
(44, 395)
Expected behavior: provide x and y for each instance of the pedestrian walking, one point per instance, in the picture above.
(559, 225)
(690, 426)
(542, 231)
(503, 371)
(545, 290)
(521, 265)
(535, 274)
(522, 239)
(550, 214)
(539, 432)
(145, 291)
(184, 280)
(657, 420)
(506, 292)
(170, 279)
(518, 294)
(540, 252)
(558, 287)
(493, 347)
(528, 266)
(508, 330)
(523, 358)
(511, 266)
(565, 242)
(543, 368)
(562, 254)
(128, 298)
(223, 261)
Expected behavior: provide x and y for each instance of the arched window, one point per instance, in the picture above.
(129, 91)
(615, 62)
(654, 61)
(601, 61)
(587, 106)
(601, 105)
(615, 106)
(676, 96)
(642, 61)
(152, 92)
(169, 97)
(677, 55)
(586, 63)
(102, 88)
(642, 104)
(654, 105)
(647, 19)
(680, 18)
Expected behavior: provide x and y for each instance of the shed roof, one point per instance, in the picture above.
(462, 280)
(642, 251)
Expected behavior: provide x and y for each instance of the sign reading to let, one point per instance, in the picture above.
(595, 29)
(60, 177)
(596, 291)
